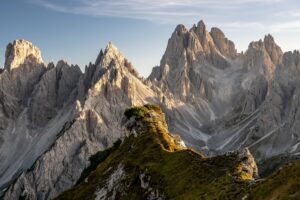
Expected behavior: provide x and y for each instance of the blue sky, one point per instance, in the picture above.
(76, 30)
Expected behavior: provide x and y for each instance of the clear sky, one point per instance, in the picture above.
(76, 30)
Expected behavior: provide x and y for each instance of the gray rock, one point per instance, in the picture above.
(95, 126)
(53, 118)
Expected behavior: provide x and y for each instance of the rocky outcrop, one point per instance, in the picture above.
(248, 168)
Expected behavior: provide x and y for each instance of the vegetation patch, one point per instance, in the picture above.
(173, 172)
(284, 184)
(96, 159)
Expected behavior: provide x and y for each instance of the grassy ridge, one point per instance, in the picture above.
(96, 159)
(281, 185)
(174, 172)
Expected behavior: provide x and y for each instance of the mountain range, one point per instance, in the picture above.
(53, 118)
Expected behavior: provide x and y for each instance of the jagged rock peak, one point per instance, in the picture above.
(217, 31)
(269, 39)
(50, 65)
(273, 49)
(203, 36)
(99, 57)
(111, 59)
(199, 39)
(268, 45)
(201, 26)
(180, 29)
(291, 63)
(113, 56)
(62, 63)
(20, 52)
(111, 48)
(225, 46)
(110, 54)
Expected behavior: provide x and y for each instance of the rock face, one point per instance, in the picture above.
(229, 100)
(23, 69)
(29, 120)
(102, 92)
(55, 89)
(264, 56)
(187, 61)
(54, 117)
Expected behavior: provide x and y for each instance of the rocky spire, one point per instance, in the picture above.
(99, 57)
(263, 56)
(201, 33)
(273, 49)
(188, 52)
(225, 46)
(110, 63)
(111, 54)
(20, 52)
(201, 28)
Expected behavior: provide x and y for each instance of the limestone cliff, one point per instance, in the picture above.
(54, 117)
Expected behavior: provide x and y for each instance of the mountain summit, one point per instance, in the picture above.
(20, 52)
(54, 117)
(230, 100)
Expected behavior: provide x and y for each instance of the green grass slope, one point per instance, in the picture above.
(284, 184)
(150, 163)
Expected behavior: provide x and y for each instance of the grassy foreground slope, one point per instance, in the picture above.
(284, 184)
(152, 164)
